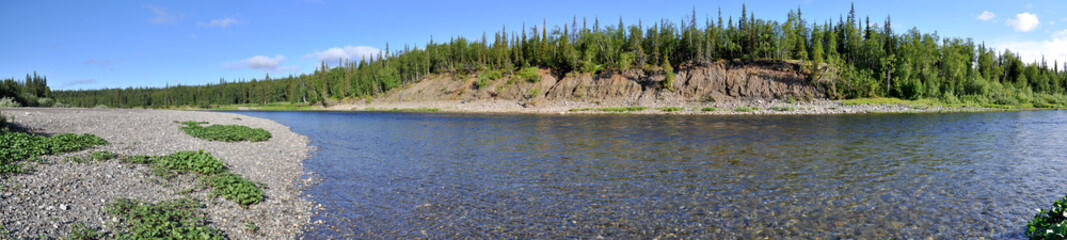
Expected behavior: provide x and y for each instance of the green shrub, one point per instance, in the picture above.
(100, 106)
(9, 102)
(225, 133)
(783, 108)
(172, 219)
(745, 109)
(235, 188)
(486, 77)
(670, 109)
(708, 109)
(529, 74)
(1051, 223)
(45, 102)
(623, 109)
(625, 61)
(189, 161)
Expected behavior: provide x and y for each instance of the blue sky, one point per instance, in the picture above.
(109, 44)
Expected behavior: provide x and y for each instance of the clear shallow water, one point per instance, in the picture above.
(442, 175)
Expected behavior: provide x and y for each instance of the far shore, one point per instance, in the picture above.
(749, 107)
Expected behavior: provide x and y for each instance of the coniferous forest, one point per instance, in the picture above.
(861, 56)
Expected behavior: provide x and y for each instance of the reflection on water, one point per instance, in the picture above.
(418, 175)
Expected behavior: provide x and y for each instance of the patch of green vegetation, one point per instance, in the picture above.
(102, 156)
(100, 106)
(708, 109)
(232, 186)
(783, 108)
(235, 188)
(421, 109)
(529, 74)
(745, 109)
(486, 76)
(189, 161)
(611, 109)
(171, 219)
(1049, 224)
(251, 226)
(3, 121)
(225, 133)
(17, 146)
(9, 102)
(671, 109)
(79, 231)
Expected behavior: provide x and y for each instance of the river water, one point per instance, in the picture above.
(875, 176)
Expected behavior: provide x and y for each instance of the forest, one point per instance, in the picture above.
(860, 57)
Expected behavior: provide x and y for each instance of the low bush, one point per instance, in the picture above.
(670, 109)
(9, 102)
(1049, 224)
(225, 133)
(172, 219)
(708, 109)
(745, 109)
(100, 106)
(235, 188)
(486, 77)
(783, 108)
(529, 74)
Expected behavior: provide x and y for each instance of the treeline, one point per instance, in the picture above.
(33, 92)
(852, 57)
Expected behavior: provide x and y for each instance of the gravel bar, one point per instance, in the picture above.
(58, 193)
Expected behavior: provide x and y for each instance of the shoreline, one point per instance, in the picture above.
(752, 107)
(59, 193)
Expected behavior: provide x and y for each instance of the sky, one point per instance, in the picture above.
(119, 44)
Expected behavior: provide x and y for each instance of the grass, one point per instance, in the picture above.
(171, 219)
(670, 109)
(708, 109)
(745, 109)
(277, 106)
(1049, 224)
(611, 109)
(225, 133)
(18, 146)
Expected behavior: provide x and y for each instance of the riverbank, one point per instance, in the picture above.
(59, 193)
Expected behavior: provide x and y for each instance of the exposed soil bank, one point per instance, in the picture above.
(60, 193)
(772, 87)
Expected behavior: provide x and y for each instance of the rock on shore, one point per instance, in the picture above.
(60, 193)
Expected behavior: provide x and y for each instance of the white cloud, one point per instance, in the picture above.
(1024, 22)
(986, 16)
(220, 23)
(1055, 48)
(260, 62)
(348, 52)
(161, 16)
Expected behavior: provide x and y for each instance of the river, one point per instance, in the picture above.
(872, 176)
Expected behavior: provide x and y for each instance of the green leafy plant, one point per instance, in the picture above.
(1049, 224)
(235, 188)
(745, 109)
(671, 109)
(708, 109)
(226, 133)
(189, 161)
(102, 155)
(485, 77)
(171, 219)
(251, 226)
(783, 108)
(18, 146)
(79, 231)
(529, 74)
(9, 102)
